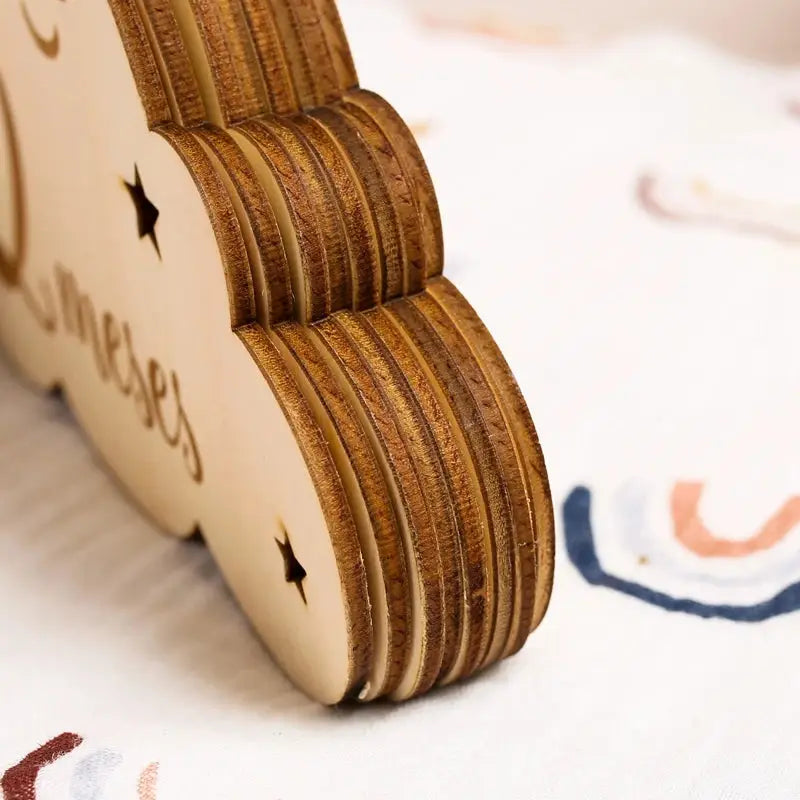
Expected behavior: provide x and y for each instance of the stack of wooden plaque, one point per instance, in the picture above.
(229, 256)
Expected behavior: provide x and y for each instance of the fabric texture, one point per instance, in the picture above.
(626, 220)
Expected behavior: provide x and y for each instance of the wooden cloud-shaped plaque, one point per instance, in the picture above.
(229, 258)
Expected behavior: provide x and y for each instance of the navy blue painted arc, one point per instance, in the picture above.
(583, 554)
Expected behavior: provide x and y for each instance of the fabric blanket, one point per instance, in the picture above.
(626, 219)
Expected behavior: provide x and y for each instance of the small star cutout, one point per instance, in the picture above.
(294, 569)
(146, 213)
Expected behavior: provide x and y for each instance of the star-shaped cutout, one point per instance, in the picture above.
(295, 573)
(146, 213)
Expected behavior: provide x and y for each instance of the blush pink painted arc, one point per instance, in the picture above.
(148, 781)
(692, 533)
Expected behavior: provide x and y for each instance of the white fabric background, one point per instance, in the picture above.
(650, 352)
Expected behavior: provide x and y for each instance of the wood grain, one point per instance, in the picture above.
(422, 446)
(458, 387)
(381, 538)
(422, 555)
(271, 272)
(464, 488)
(403, 199)
(523, 534)
(296, 217)
(511, 395)
(177, 71)
(390, 241)
(355, 210)
(414, 164)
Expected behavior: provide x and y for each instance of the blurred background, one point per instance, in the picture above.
(768, 29)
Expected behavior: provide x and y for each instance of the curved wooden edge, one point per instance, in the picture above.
(525, 431)
(143, 63)
(333, 500)
(223, 219)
